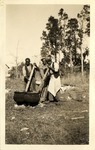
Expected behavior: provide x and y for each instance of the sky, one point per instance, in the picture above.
(24, 26)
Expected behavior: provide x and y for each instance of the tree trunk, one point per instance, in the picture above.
(75, 46)
(82, 52)
(17, 59)
(16, 69)
(81, 61)
(71, 63)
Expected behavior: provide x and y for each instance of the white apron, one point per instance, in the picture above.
(55, 83)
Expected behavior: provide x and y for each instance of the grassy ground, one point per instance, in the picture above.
(63, 122)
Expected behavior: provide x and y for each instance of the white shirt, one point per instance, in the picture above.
(24, 70)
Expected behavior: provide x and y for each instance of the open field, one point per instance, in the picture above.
(63, 122)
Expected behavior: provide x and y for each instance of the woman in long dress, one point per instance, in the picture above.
(55, 82)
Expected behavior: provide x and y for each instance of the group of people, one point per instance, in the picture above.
(45, 78)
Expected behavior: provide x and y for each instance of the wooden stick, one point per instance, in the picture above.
(30, 77)
(42, 83)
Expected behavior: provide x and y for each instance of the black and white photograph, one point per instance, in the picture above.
(47, 74)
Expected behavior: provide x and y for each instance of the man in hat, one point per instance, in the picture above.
(27, 68)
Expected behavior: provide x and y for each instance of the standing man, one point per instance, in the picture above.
(43, 69)
(27, 68)
(43, 66)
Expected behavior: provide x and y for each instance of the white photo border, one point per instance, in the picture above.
(91, 145)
